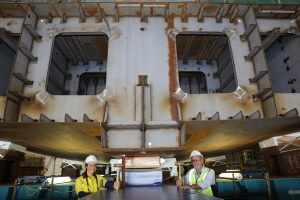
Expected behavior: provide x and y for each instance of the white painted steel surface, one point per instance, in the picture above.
(130, 55)
(136, 53)
(162, 138)
(13, 25)
(124, 138)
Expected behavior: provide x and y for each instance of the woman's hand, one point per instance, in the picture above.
(179, 183)
(116, 185)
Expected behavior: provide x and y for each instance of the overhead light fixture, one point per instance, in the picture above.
(153, 5)
(57, 180)
(233, 170)
(237, 176)
(277, 11)
(144, 6)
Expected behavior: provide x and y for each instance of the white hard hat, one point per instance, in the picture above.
(91, 158)
(195, 153)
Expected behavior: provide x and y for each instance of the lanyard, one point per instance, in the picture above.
(197, 176)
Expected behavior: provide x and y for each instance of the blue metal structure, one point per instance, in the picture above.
(281, 188)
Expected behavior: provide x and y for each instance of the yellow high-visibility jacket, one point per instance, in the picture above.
(193, 180)
(86, 185)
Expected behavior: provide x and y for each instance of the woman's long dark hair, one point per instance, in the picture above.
(86, 177)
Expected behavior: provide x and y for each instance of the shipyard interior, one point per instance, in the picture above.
(142, 84)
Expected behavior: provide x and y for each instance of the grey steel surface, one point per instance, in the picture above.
(149, 193)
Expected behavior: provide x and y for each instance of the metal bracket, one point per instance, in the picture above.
(99, 18)
(218, 163)
(44, 118)
(19, 95)
(28, 54)
(248, 31)
(252, 53)
(183, 13)
(22, 78)
(239, 115)
(82, 15)
(68, 118)
(235, 11)
(291, 113)
(64, 18)
(50, 18)
(26, 118)
(255, 115)
(216, 116)
(69, 164)
(198, 117)
(33, 32)
(257, 77)
(86, 118)
(289, 143)
(219, 17)
(271, 38)
(260, 93)
(200, 16)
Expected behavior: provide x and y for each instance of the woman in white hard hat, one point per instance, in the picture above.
(89, 182)
(200, 177)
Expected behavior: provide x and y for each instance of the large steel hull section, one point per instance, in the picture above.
(148, 48)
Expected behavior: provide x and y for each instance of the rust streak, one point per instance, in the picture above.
(102, 12)
(91, 10)
(173, 81)
(198, 134)
(35, 107)
(235, 22)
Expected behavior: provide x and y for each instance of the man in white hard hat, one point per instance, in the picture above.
(200, 177)
(90, 182)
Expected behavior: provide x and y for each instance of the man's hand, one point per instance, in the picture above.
(193, 186)
(185, 187)
(102, 188)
